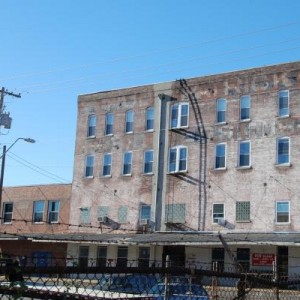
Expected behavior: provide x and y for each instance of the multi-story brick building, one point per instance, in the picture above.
(31, 217)
(181, 161)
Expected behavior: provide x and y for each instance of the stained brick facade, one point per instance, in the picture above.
(263, 189)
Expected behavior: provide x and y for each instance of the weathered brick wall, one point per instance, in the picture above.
(262, 184)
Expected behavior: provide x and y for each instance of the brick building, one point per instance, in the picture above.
(181, 161)
(31, 215)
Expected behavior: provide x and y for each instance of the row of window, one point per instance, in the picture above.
(129, 122)
(282, 212)
(244, 153)
(217, 257)
(177, 162)
(121, 261)
(179, 117)
(178, 158)
(38, 211)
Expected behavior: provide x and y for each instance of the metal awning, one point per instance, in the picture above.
(173, 238)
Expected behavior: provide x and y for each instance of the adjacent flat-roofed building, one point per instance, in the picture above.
(195, 156)
(31, 215)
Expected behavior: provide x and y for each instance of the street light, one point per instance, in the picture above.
(28, 140)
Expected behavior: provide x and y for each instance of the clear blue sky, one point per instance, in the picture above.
(52, 51)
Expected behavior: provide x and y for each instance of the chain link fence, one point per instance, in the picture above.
(142, 282)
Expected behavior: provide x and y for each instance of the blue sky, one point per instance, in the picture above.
(52, 51)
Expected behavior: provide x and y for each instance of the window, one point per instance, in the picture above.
(148, 162)
(179, 115)
(8, 212)
(283, 103)
(53, 211)
(144, 257)
(282, 212)
(218, 212)
(149, 119)
(244, 154)
(129, 121)
(283, 151)
(89, 166)
(83, 259)
(109, 125)
(242, 211)
(122, 256)
(243, 258)
(85, 215)
(122, 214)
(220, 162)
(127, 163)
(221, 110)
(217, 259)
(175, 213)
(101, 256)
(145, 213)
(245, 108)
(91, 126)
(107, 160)
(38, 211)
(102, 211)
(178, 159)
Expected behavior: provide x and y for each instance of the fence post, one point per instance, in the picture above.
(275, 278)
(214, 283)
(166, 292)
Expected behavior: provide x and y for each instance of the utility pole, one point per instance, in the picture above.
(5, 119)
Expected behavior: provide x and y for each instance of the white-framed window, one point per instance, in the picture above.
(129, 119)
(109, 124)
(53, 211)
(283, 103)
(245, 104)
(148, 162)
(178, 159)
(38, 211)
(89, 165)
(91, 132)
(220, 159)
(107, 163)
(242, 211)
(127, 163)
(179, 115)
(8, 208)
(149, 126)
(283, 151)
(283, 212)
(244, 154)
(221, 110)
(218, 212)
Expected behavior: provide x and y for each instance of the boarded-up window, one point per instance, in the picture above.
(175, 213)
(242, 211)
(122, 214)
(85, 215)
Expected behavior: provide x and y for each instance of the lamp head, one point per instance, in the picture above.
(29, 140)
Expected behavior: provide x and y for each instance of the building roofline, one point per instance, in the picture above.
(37, 185)
(192, 78)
